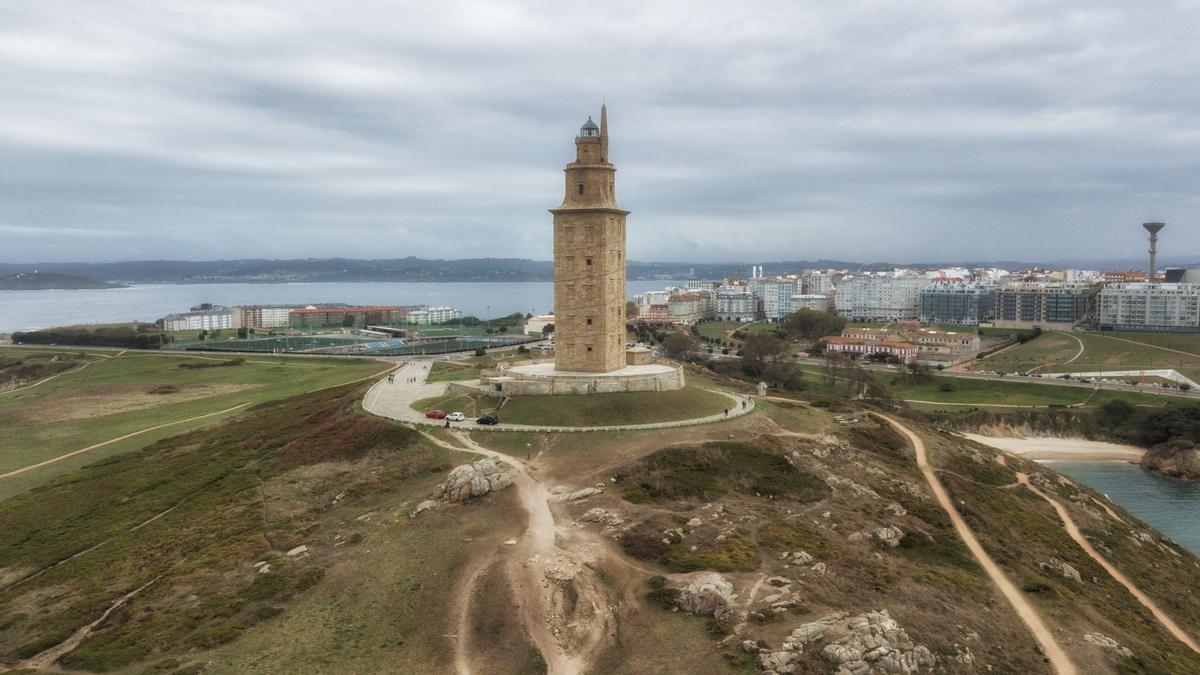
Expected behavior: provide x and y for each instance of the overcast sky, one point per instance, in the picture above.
(741, 130)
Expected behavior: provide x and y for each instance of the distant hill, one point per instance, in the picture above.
(44, 281)
(310, 270)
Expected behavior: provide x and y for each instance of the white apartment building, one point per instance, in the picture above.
(652, 298)
(813, 282)
(1168, 308)
(776, 296)
(688, 308)
(432, 315)
(801, 301)
(204, 317)
(735, 303)
(877, 298)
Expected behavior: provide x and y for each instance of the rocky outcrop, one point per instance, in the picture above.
(1102, 640)
(603, 516)
(707, 594)
(583, 494)
(889, 536)
(472, 480)
(1062, 568)
(1178, 459)
(869, 644)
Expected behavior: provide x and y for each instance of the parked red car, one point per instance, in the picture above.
(436, 414)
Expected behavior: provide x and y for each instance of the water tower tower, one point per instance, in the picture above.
(1153, 229)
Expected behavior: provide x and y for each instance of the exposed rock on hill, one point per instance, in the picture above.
(708, 594)
(472, 480)
(1180, 459)
(870, 643)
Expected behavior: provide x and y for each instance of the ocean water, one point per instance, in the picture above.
(1170, 505)
(28, 310)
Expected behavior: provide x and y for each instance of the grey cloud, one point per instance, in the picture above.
(745, 131)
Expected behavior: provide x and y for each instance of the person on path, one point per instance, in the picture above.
(727, 412)
(743, 404)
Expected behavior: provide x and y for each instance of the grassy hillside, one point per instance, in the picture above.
(745, 507)
(191, 515)
(118, 395)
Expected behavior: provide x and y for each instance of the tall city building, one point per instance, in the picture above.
(589, 260)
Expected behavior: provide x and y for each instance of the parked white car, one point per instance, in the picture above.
(456, 417)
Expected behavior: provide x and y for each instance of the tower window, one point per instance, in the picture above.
(589, 262)
(589, 321)
(581, 188)
(589, 348)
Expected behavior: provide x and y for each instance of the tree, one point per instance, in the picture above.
(811, 324)
(547, 329)
(762, 348)
(630, 309)
(677, 345)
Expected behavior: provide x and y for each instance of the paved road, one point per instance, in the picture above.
(1050, 647)
(394, 400)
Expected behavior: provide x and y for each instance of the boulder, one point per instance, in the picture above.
(601, 516)
(889, 536)
(300, 550)
(1062, 568)
(472, 480)
(707, 594)
(584, 493)
(422, 507)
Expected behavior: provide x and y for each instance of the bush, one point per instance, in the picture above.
(480, 351)
(660, 593)
(946, 386)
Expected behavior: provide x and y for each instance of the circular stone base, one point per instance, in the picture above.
(542, 378)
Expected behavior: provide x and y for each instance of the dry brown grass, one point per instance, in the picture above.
(119, 399)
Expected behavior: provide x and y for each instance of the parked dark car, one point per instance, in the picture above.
(488, 419)
(436, 414)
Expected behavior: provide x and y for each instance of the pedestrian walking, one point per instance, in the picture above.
(727, 412)
(743, 404)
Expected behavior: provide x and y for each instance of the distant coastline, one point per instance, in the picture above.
(53, 281)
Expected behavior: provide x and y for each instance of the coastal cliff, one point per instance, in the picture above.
(1179, 459)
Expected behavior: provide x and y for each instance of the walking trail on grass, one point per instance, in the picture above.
(1073, 530)
(1069, 361)
(543, 557)
(1054, 652)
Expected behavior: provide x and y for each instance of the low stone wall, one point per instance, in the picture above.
(529, 385)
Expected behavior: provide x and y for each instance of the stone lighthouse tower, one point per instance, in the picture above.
(589, 260)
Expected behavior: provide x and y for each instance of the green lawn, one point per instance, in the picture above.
(450, 371)
(972, 392)
(119, 395)
(639, 407)
(1101, 351)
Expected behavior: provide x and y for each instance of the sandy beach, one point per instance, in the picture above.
(1074, 449)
